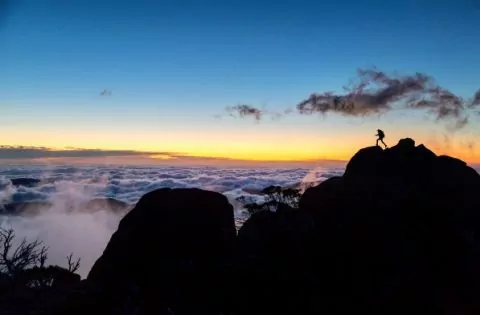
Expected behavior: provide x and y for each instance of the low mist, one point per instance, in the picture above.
(84, 235)
(63, 228)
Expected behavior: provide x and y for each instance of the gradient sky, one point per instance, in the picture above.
(173, 65)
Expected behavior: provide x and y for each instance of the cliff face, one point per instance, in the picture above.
(396, 234)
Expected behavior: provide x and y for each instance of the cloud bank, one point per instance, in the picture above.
(76, 156)
(23, 152)
(65, 227)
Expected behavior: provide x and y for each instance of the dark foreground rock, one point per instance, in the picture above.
(273, 263)
(398, 233)
(174, 248)
(37, 290)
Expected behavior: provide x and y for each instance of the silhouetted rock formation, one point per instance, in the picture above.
(174, 246)
(273, 262)
(396, 234)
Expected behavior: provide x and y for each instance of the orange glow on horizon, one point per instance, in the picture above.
(245, 146)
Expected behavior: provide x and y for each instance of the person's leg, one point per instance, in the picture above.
(377, 142)
(384, 144)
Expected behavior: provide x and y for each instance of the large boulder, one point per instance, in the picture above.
(398, 231)
(173, 247)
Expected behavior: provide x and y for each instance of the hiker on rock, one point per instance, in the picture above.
(381, 135)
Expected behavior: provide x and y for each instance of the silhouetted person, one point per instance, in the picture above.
(336, 102)
(381, 135)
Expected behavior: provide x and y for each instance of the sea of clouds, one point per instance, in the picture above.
(86, 234)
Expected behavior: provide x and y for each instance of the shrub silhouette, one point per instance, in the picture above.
(25, 255)
(24, 265)
(275, 197)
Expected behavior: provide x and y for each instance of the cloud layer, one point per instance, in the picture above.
(76, 156)
(66, 228)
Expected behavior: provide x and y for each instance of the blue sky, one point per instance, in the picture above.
(172, 65)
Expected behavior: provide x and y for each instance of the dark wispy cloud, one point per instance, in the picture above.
(470, 145)
(106, 92)
(258, 114)
(243, 110)
(23, 152)
(363, 100)
(375, 92)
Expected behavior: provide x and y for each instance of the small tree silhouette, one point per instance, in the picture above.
(26, 254)
(25, 265)
(275, 197)
(73, 265)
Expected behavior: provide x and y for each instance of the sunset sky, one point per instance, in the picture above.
(172, 66)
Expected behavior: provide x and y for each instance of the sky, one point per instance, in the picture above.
(170, 68)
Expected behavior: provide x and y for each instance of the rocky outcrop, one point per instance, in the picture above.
(174, 246)
(273, 263)
(398, 233)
